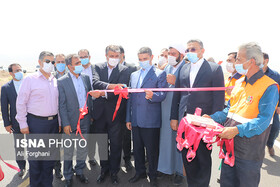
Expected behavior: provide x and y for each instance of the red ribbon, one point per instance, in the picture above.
(123, 93)
(10, 166)
(193, 136)
(83, 112)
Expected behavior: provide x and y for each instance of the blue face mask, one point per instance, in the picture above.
(192, 57)
(239, 68)
(18, 75)
(145, 64)
(78, 69)
(84, 61)
(60, 67)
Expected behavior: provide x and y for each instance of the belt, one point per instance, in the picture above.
(44, 118)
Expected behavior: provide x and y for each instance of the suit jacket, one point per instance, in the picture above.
(140, 111)
(8, 99)
(131, 68)
(209, 75)
(69, 104)
(100, 81)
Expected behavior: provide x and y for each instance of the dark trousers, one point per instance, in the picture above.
(126, 142)
(113, 129)
(146, 138)
(274, 132)
(40, 171)
(91, 144)
(57, 165)
(199, 169)
(245, 173)
(68, 156)
(19, 159)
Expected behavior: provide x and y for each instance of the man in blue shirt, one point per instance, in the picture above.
(143, 115)
(274, 132)
(247, 118)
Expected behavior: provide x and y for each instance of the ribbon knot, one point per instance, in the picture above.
(123, 93)
(83, 112)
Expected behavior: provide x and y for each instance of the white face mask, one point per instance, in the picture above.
(162, 60)
(229, 67)
(172, 60)
(48, 67)
(113, 61)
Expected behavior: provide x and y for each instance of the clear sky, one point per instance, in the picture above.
(65, 26)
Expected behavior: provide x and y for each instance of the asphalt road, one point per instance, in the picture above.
(270, 173)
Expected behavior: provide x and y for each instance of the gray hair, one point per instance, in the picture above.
(62, 55)
(43, 54)
(253, 50)
(114, 48)
(163, 50)
(144, 50)
(83, 50)
(69, 58)
(197, 41)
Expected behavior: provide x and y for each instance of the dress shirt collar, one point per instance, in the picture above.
(73, 76)
(109, 67)
(146, 70)
(255, 77)
(198, 63)
(39, 74)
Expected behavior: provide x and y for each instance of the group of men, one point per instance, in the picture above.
(153, 117)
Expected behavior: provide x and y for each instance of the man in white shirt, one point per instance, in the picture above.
(197, 73)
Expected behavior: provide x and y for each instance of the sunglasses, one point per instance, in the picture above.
(190, 50)
(48, 61)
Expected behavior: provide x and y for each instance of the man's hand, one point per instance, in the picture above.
(9, 129)
(149, 94)
(24, 130)
(174, 124)
(278, 110)
(171, 79)
(59, 129)
(112, 86)
(228, 132)
(206, 116)
(67, 130)
(128, 125)
(95, 93)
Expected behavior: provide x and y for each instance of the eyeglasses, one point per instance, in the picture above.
(82, 57)
(48, 61)
(190, 50)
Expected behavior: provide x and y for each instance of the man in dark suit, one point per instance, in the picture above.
(88, 70)
(8, 108)
(108, 75)
(197, 73)
(73, 88)
(126, 134)
(143, 115)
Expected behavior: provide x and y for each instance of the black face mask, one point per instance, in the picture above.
(178, 59)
